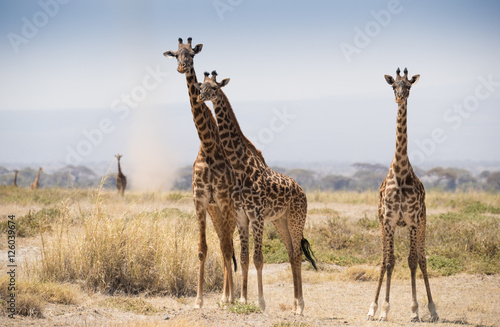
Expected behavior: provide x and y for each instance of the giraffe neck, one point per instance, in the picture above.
(38, 176)
(15, 178)
(119, 167)
(202, 116)
(401, 153)
(233, 140)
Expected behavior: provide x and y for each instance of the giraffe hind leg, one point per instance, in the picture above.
(258, 259)
(413, 264)
(422, 262)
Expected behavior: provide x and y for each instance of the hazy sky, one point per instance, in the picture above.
(319, 63)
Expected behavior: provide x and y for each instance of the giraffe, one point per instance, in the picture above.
(213, 177)
(121, 180)
(402, 203)
(15, 178)
(36, 184)
(261, 193)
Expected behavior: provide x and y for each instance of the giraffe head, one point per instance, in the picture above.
(184, 55)
(210, 88)
(118, 156)
(40, 169)
(401, 85)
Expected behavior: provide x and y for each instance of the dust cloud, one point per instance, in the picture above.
(152, 163)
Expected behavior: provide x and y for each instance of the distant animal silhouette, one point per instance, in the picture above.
(36, 184)
(15, 178)
(402, 203)
(121, 180)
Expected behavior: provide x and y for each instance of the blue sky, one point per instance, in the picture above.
(83, 56)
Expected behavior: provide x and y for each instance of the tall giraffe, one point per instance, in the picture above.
(15, 177)
(121, 180)
(213, 177)
(36, 184)
(261, 193)
(402, 203)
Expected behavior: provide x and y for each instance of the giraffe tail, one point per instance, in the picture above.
(234, 259)
(306, 248)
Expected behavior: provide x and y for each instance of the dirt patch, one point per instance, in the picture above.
(462, 299)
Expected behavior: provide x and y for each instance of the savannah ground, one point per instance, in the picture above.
(92, 258)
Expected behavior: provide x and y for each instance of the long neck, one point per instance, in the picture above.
(38, 176)
(232, 138)
(15, 178)
(401, 154)
(119, 167)
(202, 117)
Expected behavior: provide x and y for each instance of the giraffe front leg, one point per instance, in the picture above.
(391, 260)
(383, 269)
(202, 255)
(227, 253)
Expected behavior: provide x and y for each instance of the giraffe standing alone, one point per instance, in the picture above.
(260, 194)
(121, 180)
(36, 184)
(213, 177)
(402, 203)
(15, 177)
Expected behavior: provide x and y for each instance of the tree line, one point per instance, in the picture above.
(366, 177)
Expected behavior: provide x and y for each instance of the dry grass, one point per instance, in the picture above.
(33, 295)
(153, 252)
(146, 244)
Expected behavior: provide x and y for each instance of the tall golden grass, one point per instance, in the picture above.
(151, 252)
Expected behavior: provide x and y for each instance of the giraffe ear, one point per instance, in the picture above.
(414, 79)
(170, 54)
(224, 82)
(197, 85)
(197, 48)
(389, 79)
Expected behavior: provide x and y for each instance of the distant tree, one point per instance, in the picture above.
(367, 180)
(484, 174)
(376, 168)
(444, 177)
(306, 178)
(334, 183)
(493, 180)
(184, 179)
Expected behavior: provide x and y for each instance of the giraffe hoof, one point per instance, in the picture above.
(415, 319)
(369, 317)
(262, 305)
(382, 319)
(434, 318)
(198, 304)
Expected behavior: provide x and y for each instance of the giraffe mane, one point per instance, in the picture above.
(247, 142)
